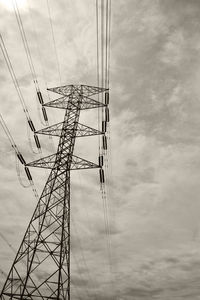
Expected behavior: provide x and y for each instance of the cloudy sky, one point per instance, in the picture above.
(154, 169)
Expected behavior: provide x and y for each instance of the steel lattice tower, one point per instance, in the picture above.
(41, 268)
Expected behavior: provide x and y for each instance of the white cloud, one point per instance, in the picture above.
(153, 193)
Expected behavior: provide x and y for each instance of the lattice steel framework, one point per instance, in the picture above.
(41, 268)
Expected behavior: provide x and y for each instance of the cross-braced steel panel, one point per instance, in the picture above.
(41, 268)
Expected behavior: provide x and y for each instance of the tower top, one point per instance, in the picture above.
(82, 89)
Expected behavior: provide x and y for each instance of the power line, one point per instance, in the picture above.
(39, 96)
(105, 41)
(54, 41)
(109, 42)
(13, 76)
(25, 43)
(51, 217)
(106, 47)
(20, 158)
(29, 57)
(21, 98)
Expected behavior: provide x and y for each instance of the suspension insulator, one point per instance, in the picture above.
(107, 115)
(37, 141)
(104, 126)
(28, 173)
(101, 174)
(44, 114)
(30, 123)
(40, 98)
(104, 140)
(106, 98)
(100, 160)
(21, 159)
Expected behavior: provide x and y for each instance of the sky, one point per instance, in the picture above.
(154, 158)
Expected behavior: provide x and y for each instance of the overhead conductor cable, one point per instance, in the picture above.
(28, 52)
(20, 158)
(16, 84)
(54, 41)
(105, 65)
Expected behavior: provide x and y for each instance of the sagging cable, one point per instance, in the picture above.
(11, 140)
(54, 41)
(19, 158)
(16, 84)
(27, 50)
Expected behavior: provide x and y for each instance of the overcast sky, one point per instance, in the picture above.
(155, 155)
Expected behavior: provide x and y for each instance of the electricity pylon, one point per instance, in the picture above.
(41, 269)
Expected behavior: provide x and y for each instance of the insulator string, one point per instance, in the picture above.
(19, 173)
(109, 42)
(13, 76)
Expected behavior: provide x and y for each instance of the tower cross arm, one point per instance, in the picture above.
(81, 130)
(86, 90)
(86, 103)
(66, 162)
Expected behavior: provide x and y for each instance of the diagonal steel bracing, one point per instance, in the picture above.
(41, 268)
(87, 103)
(77, 163)
(81, 130)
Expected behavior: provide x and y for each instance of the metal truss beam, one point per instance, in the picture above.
(51, 162)
(86, 90)
(81, 130)
(87, 103)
